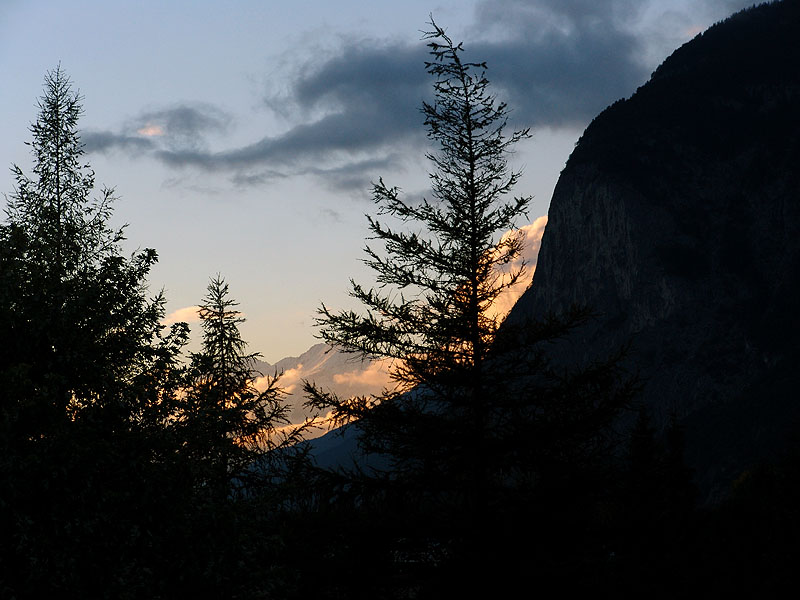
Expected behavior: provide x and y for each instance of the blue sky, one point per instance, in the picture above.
(241, 137)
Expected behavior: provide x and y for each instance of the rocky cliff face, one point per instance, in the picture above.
(677, 219)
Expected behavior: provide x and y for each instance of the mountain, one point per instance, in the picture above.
(329, 369)
(677, 220)
(347, 375)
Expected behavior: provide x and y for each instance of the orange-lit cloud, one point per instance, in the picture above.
(530, 252)
(150, 130)
(188, 314)
(289, 380)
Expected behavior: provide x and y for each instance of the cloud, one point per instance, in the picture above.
(560, 62)
(179, 128)
(375, 376)
(290, 380)
(669, 25)
(150, 130)
(364, 99)
(244, 180)
(557, 63)
(529, 256)
(188, 314)
(356, 177)
(182, 127)
(105, 141)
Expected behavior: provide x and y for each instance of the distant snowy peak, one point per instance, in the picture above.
(330, 370)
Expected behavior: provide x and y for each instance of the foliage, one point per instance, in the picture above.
(229, 423)
(479, 427)
(83, 327)
(429, 313)
(117, 460)
(88, 377)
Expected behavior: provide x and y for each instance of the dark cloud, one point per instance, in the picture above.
(369, 95)
(104, 141)
(560, 62)
(180, 128)
(557, 63)
(356, 177)
(345, 133)
(256, 179)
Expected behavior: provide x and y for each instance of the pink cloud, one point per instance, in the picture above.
(150, 131)
(188, 314)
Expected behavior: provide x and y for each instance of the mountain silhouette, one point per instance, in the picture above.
(677, 220)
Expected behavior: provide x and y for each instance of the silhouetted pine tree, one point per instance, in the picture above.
(233, 446)
(477, 424)
(228, 423)
(88, 378)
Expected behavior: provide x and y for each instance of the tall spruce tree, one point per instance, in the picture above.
(118, 462)
(440, 271)
(479, 425)
(88, 379)
(83, 325)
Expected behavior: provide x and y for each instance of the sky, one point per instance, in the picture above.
(241, 138)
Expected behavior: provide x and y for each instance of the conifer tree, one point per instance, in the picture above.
(439, 274)
(117, 462)
(83, 323)
(88, 378)
(228, 423)
(477, 419)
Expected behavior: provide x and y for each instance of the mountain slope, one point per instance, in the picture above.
(677, 219)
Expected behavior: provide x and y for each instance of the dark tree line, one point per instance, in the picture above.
(129, 469)
(125, 471)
